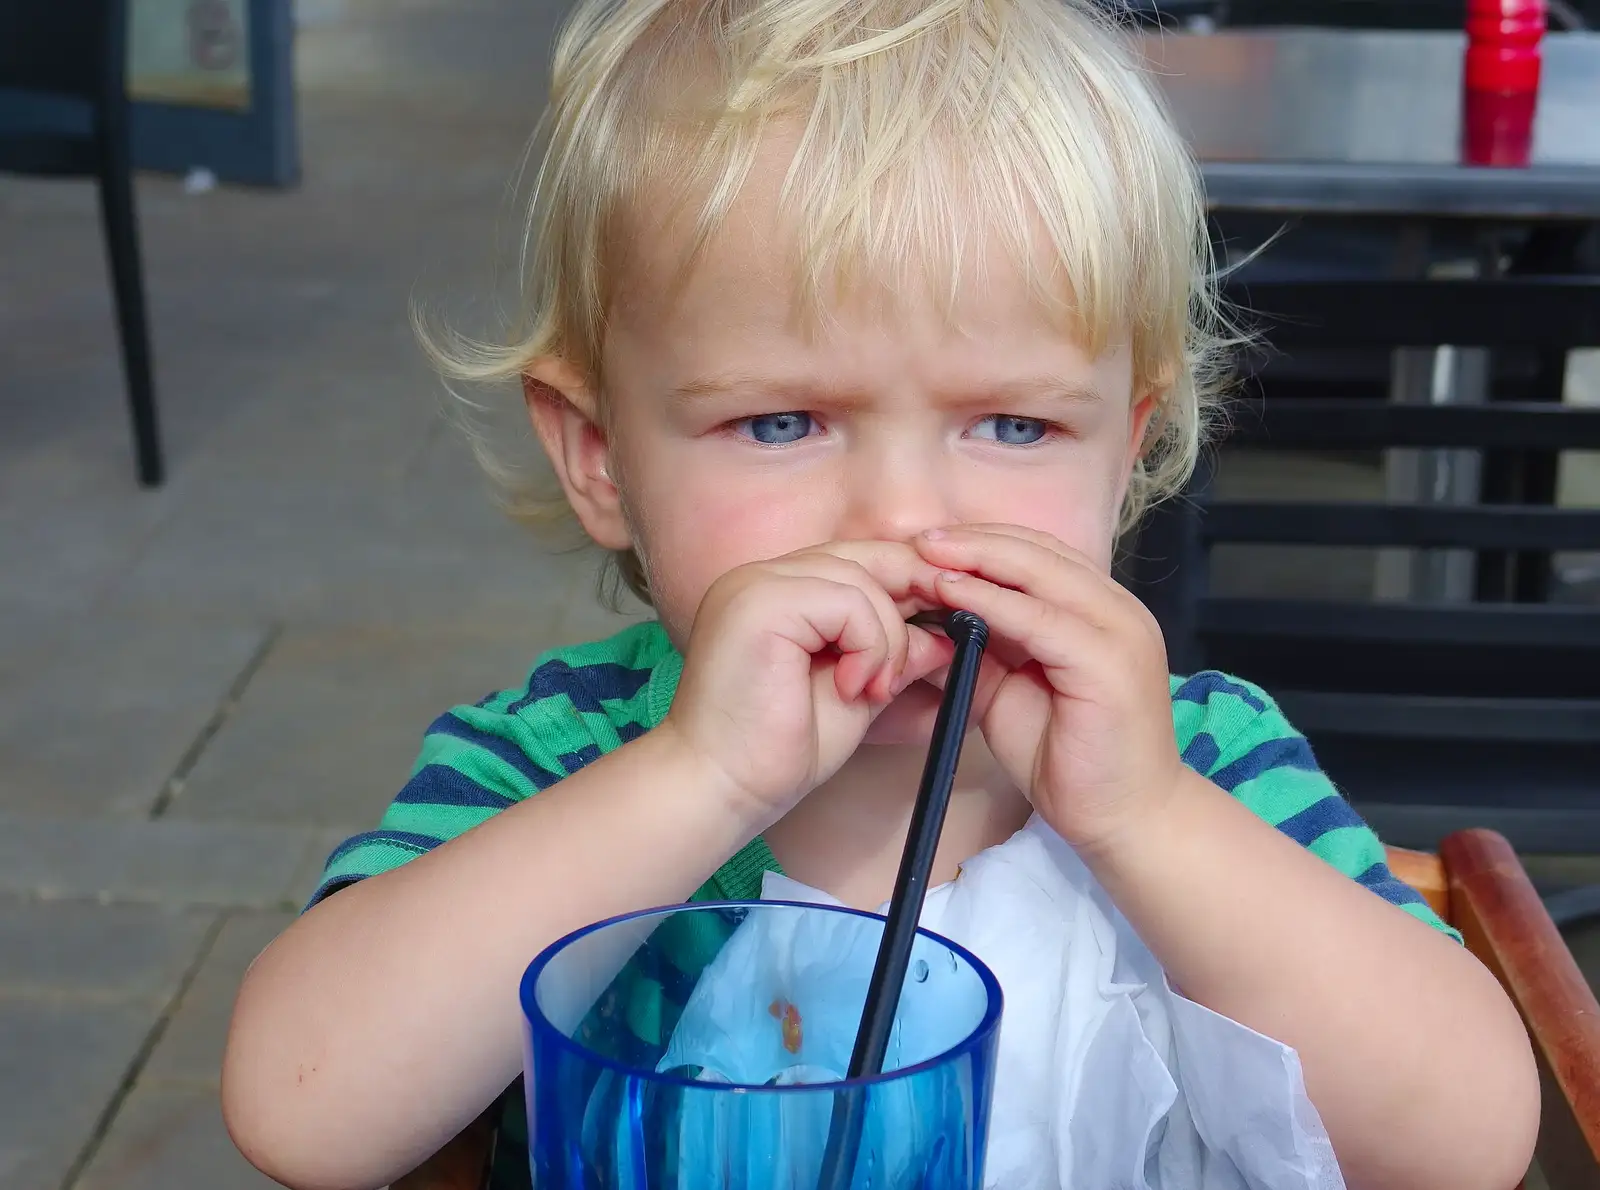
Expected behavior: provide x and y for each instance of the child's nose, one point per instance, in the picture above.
(894, 500)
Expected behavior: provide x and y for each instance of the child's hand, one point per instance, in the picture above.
(790, 660)
(1078, 706)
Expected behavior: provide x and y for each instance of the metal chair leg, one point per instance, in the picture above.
(122, 248)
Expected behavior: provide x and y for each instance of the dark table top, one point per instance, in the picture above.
(1369, 122)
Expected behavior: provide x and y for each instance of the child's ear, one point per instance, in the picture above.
(565, 416)
(1145, 410)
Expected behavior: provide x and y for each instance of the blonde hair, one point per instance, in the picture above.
(912, 115)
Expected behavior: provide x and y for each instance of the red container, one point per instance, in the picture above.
(1503, 38)
(1497, 127)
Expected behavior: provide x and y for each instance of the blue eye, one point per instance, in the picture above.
(1011, 431)
(779, 429)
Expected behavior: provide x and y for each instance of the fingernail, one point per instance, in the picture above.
(950, 576)
(934, 535)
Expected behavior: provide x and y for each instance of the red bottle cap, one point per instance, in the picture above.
(1503, 39)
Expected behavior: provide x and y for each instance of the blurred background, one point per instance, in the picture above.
(245, 559)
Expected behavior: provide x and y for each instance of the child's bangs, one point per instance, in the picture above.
(928, 139)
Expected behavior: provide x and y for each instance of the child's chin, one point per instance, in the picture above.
(908, 719)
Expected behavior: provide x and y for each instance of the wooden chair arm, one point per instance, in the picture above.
(1494, 905)
(1423, 871)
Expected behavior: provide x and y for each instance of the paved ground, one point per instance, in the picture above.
(203, 688)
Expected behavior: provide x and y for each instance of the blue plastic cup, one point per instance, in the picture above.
(704, 1047)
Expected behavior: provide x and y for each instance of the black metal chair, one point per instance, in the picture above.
(1433, 716)
(64, 111)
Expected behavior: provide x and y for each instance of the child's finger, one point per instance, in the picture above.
(1054, 544)
(1057, 639)
(926, 654)
(851, 572)
(1024, 565)
(822, 612)
(896, 566)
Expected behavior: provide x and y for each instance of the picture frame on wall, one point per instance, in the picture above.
(212, 87)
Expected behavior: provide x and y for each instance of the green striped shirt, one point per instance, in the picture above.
(586, 700)
(580, 703)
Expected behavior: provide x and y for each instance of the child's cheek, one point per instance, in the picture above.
(702, 530)
(1082, 513)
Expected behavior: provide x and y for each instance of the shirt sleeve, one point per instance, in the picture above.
(1242, 742)
(477, 761)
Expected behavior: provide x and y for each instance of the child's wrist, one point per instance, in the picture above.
(678, 764)
(1147, 837)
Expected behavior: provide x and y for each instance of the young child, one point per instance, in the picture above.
(842, 310)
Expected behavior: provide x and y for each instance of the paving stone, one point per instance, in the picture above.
(57, 565)
(105, 725)
(168, 1137)
(329, 727)
(221, 864)
(329, 552)
(82, 949)
(190, 1049)
(60, 1064)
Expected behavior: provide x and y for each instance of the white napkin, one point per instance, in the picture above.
(1106, 1077)
(780, 1004)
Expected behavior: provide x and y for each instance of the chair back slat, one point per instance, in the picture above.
(1514, 625)
(1556, 313)
(1490, 527)
(1443, 718)
(1334, 423)
(63, 47)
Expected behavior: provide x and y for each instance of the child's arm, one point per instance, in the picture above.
(386, 1018)
(380, 1023)
(1413, 1055)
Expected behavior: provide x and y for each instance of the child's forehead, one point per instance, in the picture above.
(757, 265)
(731, 319)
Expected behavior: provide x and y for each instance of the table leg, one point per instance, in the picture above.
(1530, 477)
(1437, 376)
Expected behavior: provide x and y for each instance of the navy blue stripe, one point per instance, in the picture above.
(507, 751)
(1290, 752)
(585, 685)
(573, 761)
(1317, 819)
(329, 888)
(441, 785)
(676, 985)
(1202, 752)
(402, 838)
(589, 753)
(1200, 687)
(1383, 882)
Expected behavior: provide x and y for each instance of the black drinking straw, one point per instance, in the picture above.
(970, 635)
